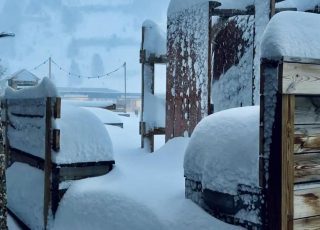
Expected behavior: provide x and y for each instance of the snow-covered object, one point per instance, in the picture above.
(24, 75)
(187, 69)
(180, 5)
(105, 116)
(223, 151)
(94, 207)
(232, 81)
(300, 5)
(83, 137)
(292, 34)
(84, 103)
(25, 193)
(45, 89)
(154, 39)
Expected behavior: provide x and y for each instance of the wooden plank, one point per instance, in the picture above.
(287, 172)
(57, 108)
(307, 138)
(75, 173)
(301, 79)
(306, 203)
(47, 164)
(312, 223)
(307, 167)
(307, 110)
(56, 140)
(20, 156)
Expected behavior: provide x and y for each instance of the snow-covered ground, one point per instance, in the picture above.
(143, 191)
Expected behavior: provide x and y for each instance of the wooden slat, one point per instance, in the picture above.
(306, 203)
(307, 167)
(307, 110)
(307, 138)
(56, 140)
(57, 108)
(301, 79)
(75, 173)
(287, 140)
(312, 223)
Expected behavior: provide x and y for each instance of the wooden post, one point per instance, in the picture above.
(47, 164)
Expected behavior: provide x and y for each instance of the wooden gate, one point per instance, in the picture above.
(290, 143)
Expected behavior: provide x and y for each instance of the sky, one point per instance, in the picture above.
(84, 37)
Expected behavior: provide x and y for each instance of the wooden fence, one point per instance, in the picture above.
(290, 143)
(31, 139)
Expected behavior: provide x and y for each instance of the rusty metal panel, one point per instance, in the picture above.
(187, 70)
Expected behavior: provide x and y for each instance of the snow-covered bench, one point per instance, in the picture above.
(48, 146)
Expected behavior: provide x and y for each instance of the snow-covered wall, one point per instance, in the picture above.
(187, 68)
(233, 48)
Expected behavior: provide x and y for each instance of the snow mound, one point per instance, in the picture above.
(300, 5)
(83, 137)
(292, 34)
(224, 150)
(25, 193)
(180, 5)
(84, 207)
(105, 116)
(44, 89)
(155, 40)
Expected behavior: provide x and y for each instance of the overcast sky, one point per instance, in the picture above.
(83, 36)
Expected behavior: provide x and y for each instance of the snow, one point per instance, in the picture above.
(105, 116)
(155, 40)
(155, 114)
(292, 34)
(12, 225)
(224, 150)
(300, 5)
(83, 137)
(44, 89)
(180, 5)
(143, 191)
(25, 193)
(87, 103)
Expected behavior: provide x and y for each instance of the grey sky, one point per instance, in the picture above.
(74, 32)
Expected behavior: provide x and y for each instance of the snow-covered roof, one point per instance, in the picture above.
(293, 34)
(224, 150)
(23, 75)
(180, 5)
(44, 89)
(155, 40)
(300, 5)
(83, 137)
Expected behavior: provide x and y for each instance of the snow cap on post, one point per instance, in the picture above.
(292, 34)
(44, 89)
(155, 40)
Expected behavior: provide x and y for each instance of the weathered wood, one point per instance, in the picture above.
(75, 173)
(301, 78)
(57, 108)
(56, 140)
(287, 138)
(307, 110)
(311, 223)
(307, 167)
(47, 164)
(23, 157)
(306, 203)
(307, 138)
(232, 12)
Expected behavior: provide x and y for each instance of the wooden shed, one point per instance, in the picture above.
(23, 78)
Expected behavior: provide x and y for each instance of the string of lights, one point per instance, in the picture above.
(59, 67)
(41, 64)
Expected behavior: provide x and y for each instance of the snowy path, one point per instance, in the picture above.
(143, 191)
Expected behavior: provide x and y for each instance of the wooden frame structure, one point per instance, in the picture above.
(148, 62)
(45, 110)
(289, 143)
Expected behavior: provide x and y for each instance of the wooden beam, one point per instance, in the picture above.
(227, 13)
(287, 140)
(301, 79)
(57, 108)
(47, 164)
(56, 140)
(310, 223)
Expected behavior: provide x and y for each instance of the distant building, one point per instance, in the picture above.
(22, 79)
